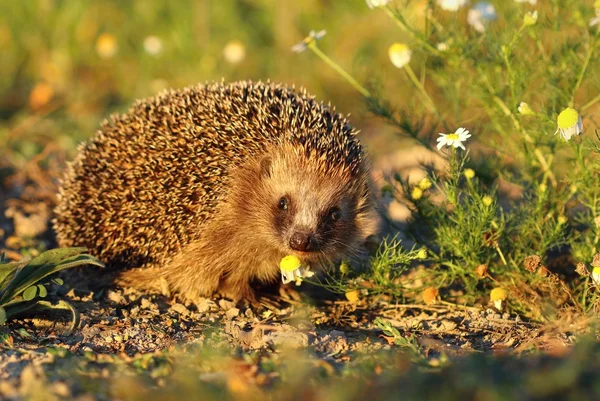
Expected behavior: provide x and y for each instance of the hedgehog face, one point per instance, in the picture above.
(313, 211)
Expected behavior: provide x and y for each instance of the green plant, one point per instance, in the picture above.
(23, 284)
(518, 207)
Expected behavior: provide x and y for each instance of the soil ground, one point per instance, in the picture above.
(119, 326)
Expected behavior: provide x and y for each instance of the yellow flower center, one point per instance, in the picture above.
(398, 48)
(290, 263)
(567, 118)
(454, 137)
(498, 294)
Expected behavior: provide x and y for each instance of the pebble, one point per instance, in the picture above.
(116, 297)
(288, 339)
(146, 304)
(233, 312)
(203, 304)
(225, 304)
(181, 309)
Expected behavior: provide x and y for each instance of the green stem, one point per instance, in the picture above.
(589, 104)
(415, 34)
(501, 255)
(582, 72)
(428, 102)
(538, 153)
(313, 46)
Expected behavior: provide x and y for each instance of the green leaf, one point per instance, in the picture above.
(42, 291)
(30, 293)
(2, 316)
(64, 305)
(57, 281)
(8, 271)
(31, 307)
(42, 266)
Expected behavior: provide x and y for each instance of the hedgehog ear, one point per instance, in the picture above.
(265, 167)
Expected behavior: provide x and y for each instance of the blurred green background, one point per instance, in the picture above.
(67, 64)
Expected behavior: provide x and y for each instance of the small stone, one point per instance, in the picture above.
(146, 304)
(337, 333)
(116, 297)
(289, 339)
(61, 389)
(225, 304)
(181, 309)
(447, 325)
(233, 312)
(203, 304)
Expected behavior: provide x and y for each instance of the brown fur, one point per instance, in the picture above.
(187, 186)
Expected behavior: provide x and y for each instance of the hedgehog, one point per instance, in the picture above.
(203, 190)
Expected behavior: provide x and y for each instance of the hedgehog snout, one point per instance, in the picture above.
(302, 242)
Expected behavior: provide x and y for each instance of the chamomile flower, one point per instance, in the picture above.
(153, 45)
(497, 296)
(234, 52)
(469, 173)
(525, 110)
(292, 270)
(480, 15)
(452, 5)
(399, 54)
(530, 18)
(377, 3)
(596, 275)
(442, 46)
(312, 37)
(569, 123)
(487, 201)
(456, 139)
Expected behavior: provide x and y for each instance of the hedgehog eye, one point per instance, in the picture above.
(334, 213)
(283, 203)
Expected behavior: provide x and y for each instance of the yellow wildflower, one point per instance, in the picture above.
(417, 193)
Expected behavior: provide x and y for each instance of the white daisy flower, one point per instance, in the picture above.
(312, 37)
(452, 5)
(456, 139)
(377, 3)
(399, 54)
(569, 123)
(480, 14)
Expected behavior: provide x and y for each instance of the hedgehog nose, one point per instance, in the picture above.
(301, 242)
